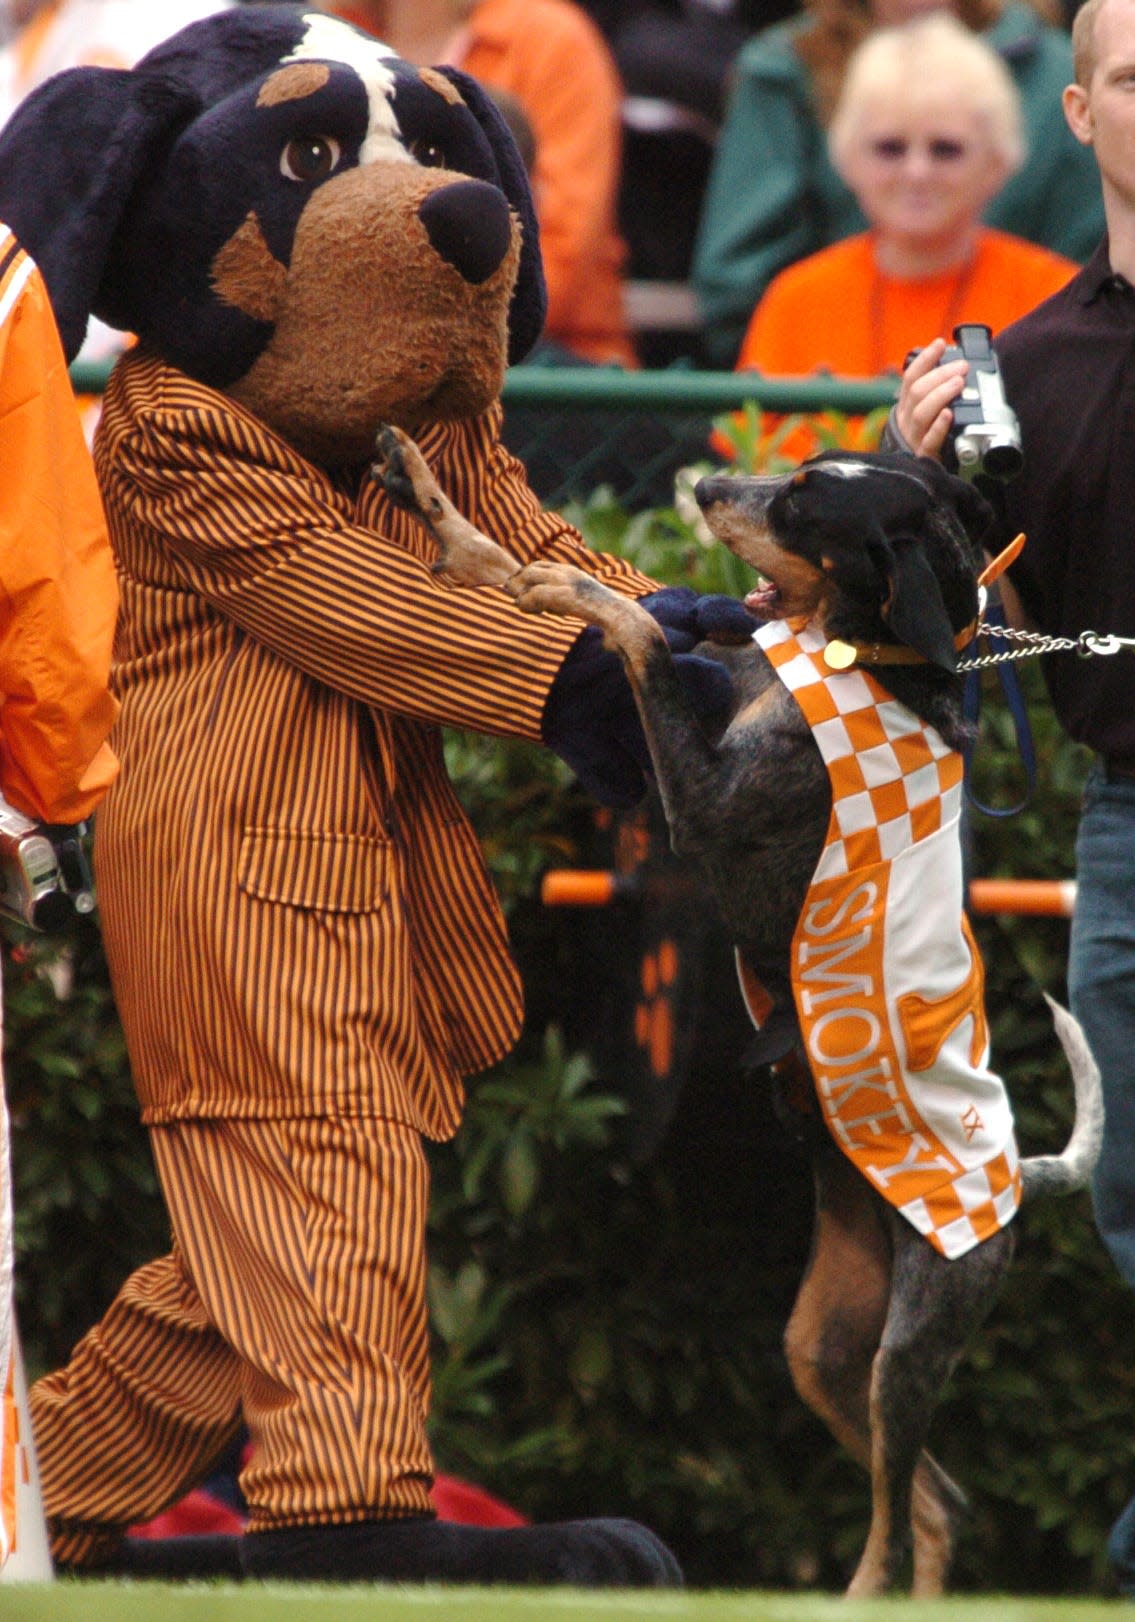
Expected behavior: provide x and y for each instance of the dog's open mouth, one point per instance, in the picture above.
(764, 600)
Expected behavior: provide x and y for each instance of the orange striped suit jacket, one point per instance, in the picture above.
(297, 916)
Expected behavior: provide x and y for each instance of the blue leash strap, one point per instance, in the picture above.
(1015, 699)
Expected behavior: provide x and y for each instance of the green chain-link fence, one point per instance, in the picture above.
(576, 429)
(579, 428)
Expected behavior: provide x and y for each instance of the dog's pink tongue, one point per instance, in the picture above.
(761, 601)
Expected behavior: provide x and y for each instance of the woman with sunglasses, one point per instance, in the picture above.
(773, 195)
(926, 133)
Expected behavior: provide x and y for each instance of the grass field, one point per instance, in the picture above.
(159, 1602)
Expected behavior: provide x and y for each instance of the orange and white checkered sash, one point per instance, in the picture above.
(886, 976)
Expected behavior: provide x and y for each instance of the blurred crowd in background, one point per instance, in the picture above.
(690, 171)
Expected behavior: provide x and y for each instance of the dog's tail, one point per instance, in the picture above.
(1067, 1172)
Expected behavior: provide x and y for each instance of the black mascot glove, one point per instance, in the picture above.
(591, 722)
(688, 618)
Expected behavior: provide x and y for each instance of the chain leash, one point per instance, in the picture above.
(1035, 642)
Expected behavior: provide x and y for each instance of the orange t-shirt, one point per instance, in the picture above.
(551, 58)
(836, 312)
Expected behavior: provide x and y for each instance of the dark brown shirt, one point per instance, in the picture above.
(1069, 370)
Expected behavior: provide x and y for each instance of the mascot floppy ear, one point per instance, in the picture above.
(530, 298)
(86, 135)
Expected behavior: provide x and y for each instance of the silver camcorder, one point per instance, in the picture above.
(986, 435)
(45, 877)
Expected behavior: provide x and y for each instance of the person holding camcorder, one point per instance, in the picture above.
(1069, 372)
(58, 600)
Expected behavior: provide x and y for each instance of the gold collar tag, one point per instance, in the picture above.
(840, 655)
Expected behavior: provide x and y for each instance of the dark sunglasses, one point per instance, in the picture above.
(940, 149)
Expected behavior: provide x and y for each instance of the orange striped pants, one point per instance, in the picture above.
(294, 1298)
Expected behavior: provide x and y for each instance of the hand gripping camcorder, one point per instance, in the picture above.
(986, 435)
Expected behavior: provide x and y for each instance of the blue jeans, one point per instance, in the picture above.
(1101, 986)
(1121, 1549)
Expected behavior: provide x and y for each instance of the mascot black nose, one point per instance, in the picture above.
(469, 225)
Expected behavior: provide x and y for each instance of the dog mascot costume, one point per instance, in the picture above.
(309, 237)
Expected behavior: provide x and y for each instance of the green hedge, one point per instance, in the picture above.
(612, 1268)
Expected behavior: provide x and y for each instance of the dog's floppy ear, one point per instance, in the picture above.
(70, 158)
(915, 609)
(529, 304)
(975, 514)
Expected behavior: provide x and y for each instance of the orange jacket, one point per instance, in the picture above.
(58, 595)
(552, 58)
(836, 311)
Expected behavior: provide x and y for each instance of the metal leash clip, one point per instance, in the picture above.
(1090, 642)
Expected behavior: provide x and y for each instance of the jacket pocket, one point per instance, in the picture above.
(326, 872)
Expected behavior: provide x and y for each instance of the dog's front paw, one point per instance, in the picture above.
(560, 588)
(465, 557)
(404, 474)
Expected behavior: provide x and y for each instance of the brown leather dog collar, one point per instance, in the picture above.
(839, 655)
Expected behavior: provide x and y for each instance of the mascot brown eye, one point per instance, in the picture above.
(309, 157)
(431, 157)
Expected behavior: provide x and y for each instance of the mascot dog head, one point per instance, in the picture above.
(283, 208)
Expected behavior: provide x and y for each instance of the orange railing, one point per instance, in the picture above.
(1051, 898)
(1048, 898)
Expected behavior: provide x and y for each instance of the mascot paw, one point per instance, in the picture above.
(580, 1554)
(688, 618)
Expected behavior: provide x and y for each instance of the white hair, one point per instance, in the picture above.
(934, 60)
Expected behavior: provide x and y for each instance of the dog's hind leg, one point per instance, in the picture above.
(841, 1307)
(938, 1506)
(831, 1342)
(935, 1307)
